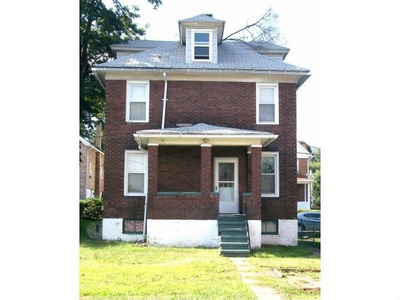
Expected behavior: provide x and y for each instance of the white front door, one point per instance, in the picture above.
(226, 183)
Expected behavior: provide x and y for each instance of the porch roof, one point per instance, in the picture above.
(201, 134)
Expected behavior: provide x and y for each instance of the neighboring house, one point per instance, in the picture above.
(304, 180)
(91, 170)
(195, 129)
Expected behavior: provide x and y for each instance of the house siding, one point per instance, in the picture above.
(230, 104)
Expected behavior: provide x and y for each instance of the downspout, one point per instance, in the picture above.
(145, 219)
(164, 100)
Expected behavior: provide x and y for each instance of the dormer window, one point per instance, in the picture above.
(201, 45)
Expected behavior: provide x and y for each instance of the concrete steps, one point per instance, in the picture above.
(234, 238)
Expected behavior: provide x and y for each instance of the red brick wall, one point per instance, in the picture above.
(303, 167)
(179, 169)
(217, 103)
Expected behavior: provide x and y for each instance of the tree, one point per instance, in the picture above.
(99, 28)
(265, 29)
(315, 167)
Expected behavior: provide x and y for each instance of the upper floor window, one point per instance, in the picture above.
(137, 101)
(270, 174)
(267, 104)
(201, 42)
(135, 173)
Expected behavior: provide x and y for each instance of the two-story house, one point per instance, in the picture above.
(91, 170)
(198, 129)
(304, 179)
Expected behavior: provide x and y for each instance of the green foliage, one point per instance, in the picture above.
(100, 27)
(91, 209)
(315, 167)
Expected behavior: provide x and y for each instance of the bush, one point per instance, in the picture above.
(91, 209)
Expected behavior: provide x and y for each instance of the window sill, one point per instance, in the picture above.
(269, 196)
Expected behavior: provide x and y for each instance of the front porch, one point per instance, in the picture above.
(197, 172)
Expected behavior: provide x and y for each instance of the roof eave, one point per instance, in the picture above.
(143, 140)
(302, 79)
(304, 74)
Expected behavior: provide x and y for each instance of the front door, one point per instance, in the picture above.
(226, 184)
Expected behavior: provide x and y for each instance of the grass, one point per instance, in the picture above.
(121, 270)
(292, 264)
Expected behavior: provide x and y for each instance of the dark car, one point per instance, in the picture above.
(310, 220)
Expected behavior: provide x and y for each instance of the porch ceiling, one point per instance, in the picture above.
(203, 134)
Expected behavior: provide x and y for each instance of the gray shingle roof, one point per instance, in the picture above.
(203, 18)
(232, 56)
(204, 129)
(145, 44)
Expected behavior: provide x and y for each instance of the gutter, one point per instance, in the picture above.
(202, 70)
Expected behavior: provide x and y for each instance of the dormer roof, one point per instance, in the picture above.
(203, 21)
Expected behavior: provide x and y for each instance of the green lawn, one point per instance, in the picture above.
(289, 270)
(120, 270)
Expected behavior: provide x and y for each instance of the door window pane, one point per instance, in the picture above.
(226, 172)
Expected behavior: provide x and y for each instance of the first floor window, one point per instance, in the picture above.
(135, 173)
(270, 174)
(137, 104)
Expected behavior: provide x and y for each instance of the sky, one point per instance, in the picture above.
(299, 24)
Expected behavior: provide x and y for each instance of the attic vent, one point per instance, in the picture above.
(209, 15)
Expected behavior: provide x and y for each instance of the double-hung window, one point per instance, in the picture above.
(137, 101)
(270, 174)
(135, 173)
(201, 41)
(267, 104)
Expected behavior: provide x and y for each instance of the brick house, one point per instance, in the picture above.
(91, 170)
(304, 180)
(198, 129)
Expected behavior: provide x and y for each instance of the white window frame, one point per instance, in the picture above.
(275, 155)
(275, 86)
(129, 83)
(209, 46)
(145, 160)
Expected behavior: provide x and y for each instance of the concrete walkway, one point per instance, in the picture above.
(248, 275)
